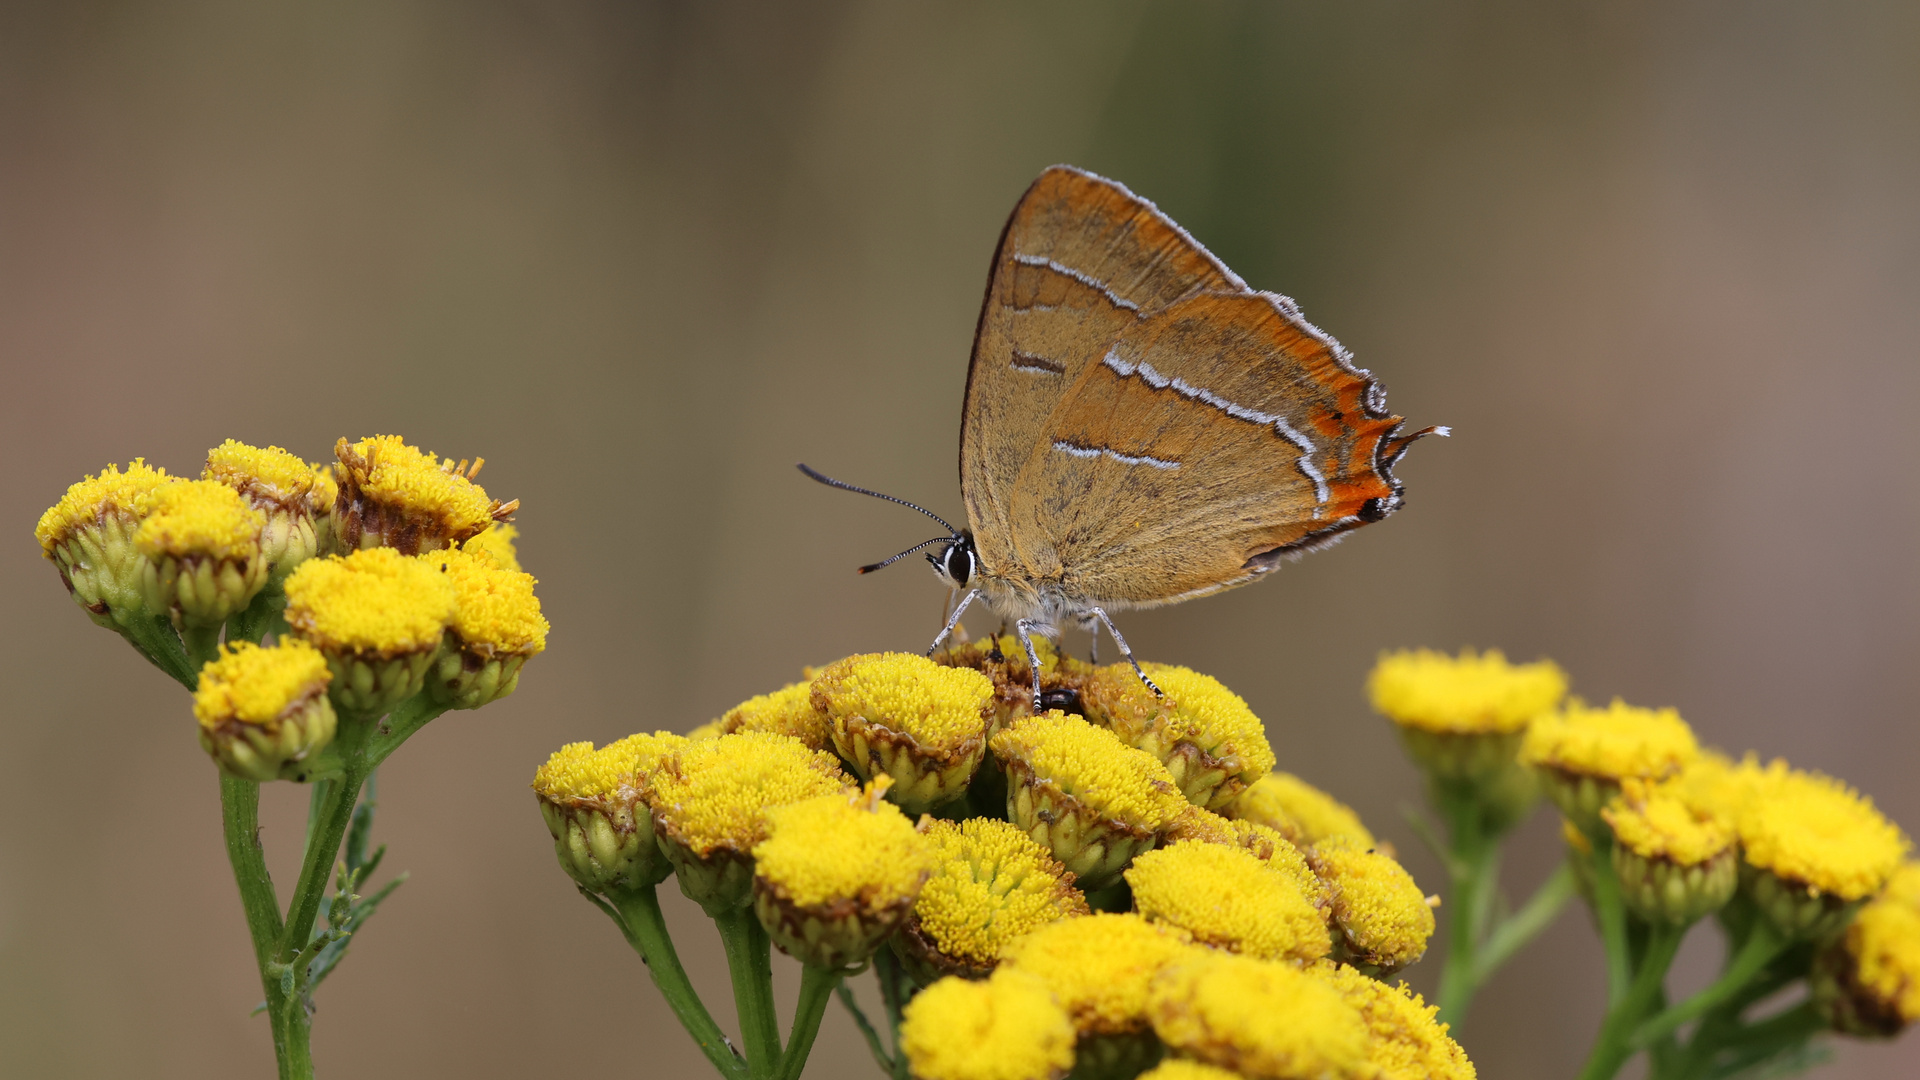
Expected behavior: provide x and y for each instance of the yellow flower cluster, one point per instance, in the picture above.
(1473, 693)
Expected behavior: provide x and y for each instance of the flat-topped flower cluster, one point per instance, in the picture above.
(1103, 885)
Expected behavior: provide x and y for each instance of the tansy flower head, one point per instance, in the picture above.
(836, 875)
(1468, 694)
(787, 711)
(710, 800)
(590, 800)
(378, 616)
(497, 540)
(399, 496)
(904, 715)
(497, 627)
(1299, 811)
(1583, 753)
(320, 503)
(1079, 791)
(1004, 1028)
(1256, 1017)
(1228, 898)
(1001, 658)
(1404, 1040)
(202, 546)
(1817, 848)
(1100, 967)
(991, 885)
(280, 486)
(1868, 982)
(96, 499)
(263, 712)
(1204, 733)
(1182, 1069)
(1264, 843)
(1381, 917)
(1674, 863)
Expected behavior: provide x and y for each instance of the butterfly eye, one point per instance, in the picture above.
(960, 562)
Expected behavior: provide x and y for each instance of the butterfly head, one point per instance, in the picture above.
(957, 561)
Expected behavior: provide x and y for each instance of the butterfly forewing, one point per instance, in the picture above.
(1081, 260)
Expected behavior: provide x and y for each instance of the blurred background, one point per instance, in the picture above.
(1655, 262)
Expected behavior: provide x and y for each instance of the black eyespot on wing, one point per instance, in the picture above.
(1375, 509)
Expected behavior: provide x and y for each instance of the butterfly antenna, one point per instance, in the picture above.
(884, 563)
(842, 485)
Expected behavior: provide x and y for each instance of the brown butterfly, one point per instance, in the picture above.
(1140, 427)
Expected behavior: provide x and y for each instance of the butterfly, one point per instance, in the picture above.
(1141, 427)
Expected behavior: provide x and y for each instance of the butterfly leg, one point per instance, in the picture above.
(953, 620)
(1092, 627)
(1024, 629)
(1124, 651)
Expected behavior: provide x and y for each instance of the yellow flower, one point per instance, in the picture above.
(378, 616)
(1100, 967)
(86, 505)
(1404, 1040)
(836, 875)
(202, 546)
(1182, 1069)
(1228, 898)
(787, 711)
(1674, 863)
(904, 715)
(1472, 693)
(1817, 847)
(280, 486)
(1299, 811)
(263, 712)
(710, 800)
(590, 800)
(1080, 792)
(1583, 753)
(1204, 733)
(497, 627)
(1382, 918)
(89, 534)
(321, 502)
(991, 885)
(399, 496)
(497, 540)
(1266, 844)
(1256, 1017)
(1003, 1028)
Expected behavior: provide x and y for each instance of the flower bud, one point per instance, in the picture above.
(590, 799)
(1382, 921)
(908, 717)
(202, 546)
(1674, 863)
(1256, 1017)
(263, 712)
(497, 627)
(1100, 967)
(88, 535)
(1299, 811)
(1004, 1028)
(1204, 733)
(787, 711)
(399, 496)
(1084, 795)
(1404, 1040)
(280, 486)
(1582, 754)
(320, 505)
(1228, 898)
(1815, 850)
(991, 885)
(1867, 981)
(378, 616)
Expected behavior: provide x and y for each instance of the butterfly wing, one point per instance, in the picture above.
(1210, 439)
(1080, 260)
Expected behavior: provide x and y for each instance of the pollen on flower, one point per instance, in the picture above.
(1713, 785)
(111, 493)
(991, 885)
(1404, 1040)
(1197, 711)
(839, 848)
(714, 793)
(1228, 898)
(1379, 910)
(1092, 765)
(1470, 693)
(1256, 1017)
(268, 474)
(1817, 831)
(325, 490)
(1656, 824)
(1182, 1069)
(1299, 811)
(939, 707)
(786, 711)
(578, 772)
(256, 685)
(376, 601)
(495, 610)
(1614, 742)
(1003, 1028)
(1266, 844)
(1100, 967)
(201, 518)
(404, 496)
(497, 540)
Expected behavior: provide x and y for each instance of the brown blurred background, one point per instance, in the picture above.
(1656, 263)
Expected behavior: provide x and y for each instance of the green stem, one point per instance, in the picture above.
(640, 918)
(887, 966)
(412, 715)
(817, 984)
(1524, 925)
(153, 636)
(203, 646)
(867, 1032)
(1762, 945)
(334, 812)
(240, 818)
(1755, 1043)
(749, 962)
(1467, 862)
(1611, 912)
(1616, 1043)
